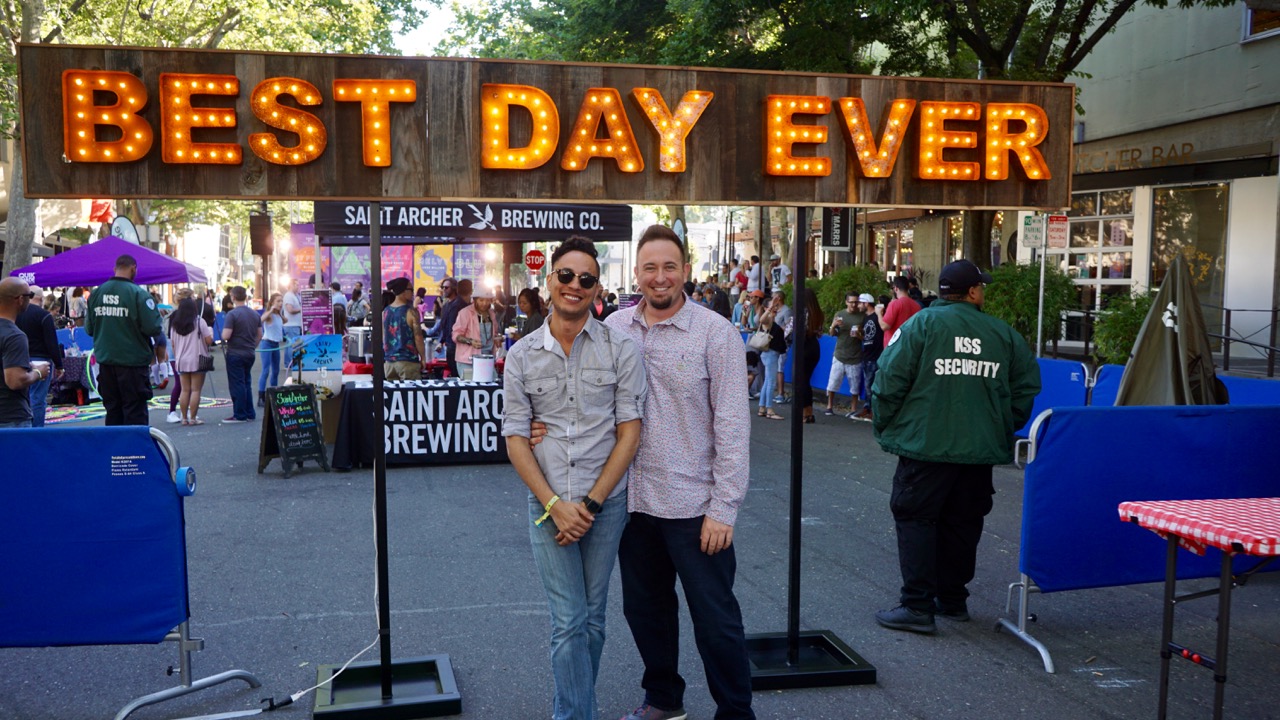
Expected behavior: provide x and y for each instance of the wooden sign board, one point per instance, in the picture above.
(291, 428)
(751, 135)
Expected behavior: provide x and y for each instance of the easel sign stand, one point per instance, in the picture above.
(385, 689)
(817, 658)
(291, 429)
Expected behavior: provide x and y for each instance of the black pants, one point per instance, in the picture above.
(653, 553)
(450, 362)
(125, 392)
(938, 509)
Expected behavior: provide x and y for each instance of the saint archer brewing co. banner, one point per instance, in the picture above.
(132, 122)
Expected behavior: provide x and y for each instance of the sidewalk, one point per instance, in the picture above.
(282, 580)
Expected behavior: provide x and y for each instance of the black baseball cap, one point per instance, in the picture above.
(957, 277)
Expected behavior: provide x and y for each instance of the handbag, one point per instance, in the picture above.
(206, 364)
(759, 340)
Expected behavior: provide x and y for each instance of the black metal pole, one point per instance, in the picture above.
(379, 448)
(799, 336)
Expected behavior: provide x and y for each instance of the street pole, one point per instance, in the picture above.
(1044, 245)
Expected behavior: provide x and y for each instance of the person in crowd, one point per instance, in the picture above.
(448, 291)
(340, 321)
(782, 318)
(448, 318)
(357, 308)
(227, 303)
(913, 290)
(600, 308)
(530, 303)
(755, 374)
(755, 274)
(577, 474)
(815, 325)
(687, 482)
(336, 296)
(949, 394)
(122, 320)
(474, 331)
(739, 308)
(846, 361)
(769, 359)
(404, 349)
(779, 273)
(242, 333)
(78, 306)
(272, 338)
(20, 373)
(899, 311)
(175, 394)
(696, 295)
(190, 338)
(737, 280)
(751, 314)
(43, 348)
(292, 306)
(872, 346)
(720, 301)
(421, 303)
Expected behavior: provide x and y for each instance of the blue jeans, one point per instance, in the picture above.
(576, 579)
(16, 424)
(653, 553)
(239, 381)
(869, 368)
(270, 366)
(769, 358)
(39, 395)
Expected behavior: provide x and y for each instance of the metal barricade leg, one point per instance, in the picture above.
(1025, 587)
(186, 644)
(1166, 630)
(1224, 630)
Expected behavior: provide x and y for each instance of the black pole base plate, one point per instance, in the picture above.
(421, 687)
(824, 661)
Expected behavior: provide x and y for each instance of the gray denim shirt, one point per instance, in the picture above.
(581, 398)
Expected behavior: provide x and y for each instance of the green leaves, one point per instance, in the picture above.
(1014, 297)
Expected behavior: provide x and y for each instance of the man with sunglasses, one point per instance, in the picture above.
(458, 294)
(585, 385)
(19, 375)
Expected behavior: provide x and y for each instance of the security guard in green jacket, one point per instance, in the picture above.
(952, 388)
(122, 319)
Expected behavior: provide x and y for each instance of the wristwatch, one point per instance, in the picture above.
(592, 506)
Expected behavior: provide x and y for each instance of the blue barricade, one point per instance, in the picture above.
(1063, 383)
(1106, 385)
(93, 540)
(64, 337)
(1089, 460)
(1252, 391)
(82, 339)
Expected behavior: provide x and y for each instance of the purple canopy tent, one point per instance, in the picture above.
(94, 264)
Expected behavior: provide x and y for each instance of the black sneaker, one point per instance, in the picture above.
(958, 613)
(904, 618)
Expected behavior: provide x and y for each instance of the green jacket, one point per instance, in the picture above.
(954, 387)
(122, 319)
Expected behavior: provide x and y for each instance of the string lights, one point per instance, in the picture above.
(82, 116)
(875, 158)
(602, 106)
(311, 133)
(496, 101)
(782, 135)
(671, 127)
(1001, 140)
(375, 98)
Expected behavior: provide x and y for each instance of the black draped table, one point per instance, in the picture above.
(428, 422)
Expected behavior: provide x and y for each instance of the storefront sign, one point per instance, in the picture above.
(127, 122)
(835, 229)
(443, 222)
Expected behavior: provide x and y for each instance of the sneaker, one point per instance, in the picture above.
(904, 618)
(174, 418)
(781, 399)
(649, 712)
(958, 613)
(753, 396)
(231, 420)
(828, 411)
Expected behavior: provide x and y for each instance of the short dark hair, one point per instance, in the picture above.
(755, 258)
(576, 243)
(126, 261)
(238, 294)
(901, 283)
(334, 286)
(659, 232)
(464, 287)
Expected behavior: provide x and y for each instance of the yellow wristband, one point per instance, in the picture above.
(554, 499)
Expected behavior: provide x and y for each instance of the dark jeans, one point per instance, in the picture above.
(449, 361)
(125, 392)
(653, 552)
(938, 510)
(177, 387)
(240, 382)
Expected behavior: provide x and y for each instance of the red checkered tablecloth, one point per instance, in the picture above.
(1251, 523)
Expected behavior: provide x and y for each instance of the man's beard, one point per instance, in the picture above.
(662, 304)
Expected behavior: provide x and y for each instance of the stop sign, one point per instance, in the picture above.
(534, 259)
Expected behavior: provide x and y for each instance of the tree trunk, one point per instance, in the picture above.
(783, 223)
(22, 219)
(977, 237)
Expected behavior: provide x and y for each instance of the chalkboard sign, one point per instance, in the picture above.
(291, 428)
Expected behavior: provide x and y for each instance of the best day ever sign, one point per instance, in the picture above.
(132, 122)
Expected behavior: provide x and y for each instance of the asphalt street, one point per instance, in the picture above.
(282, 580)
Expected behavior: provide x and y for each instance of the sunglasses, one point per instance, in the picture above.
(29, 295)
(586, 280)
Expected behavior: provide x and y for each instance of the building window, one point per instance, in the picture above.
(1099, 256)
(1192, 221)
(1261, 23)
